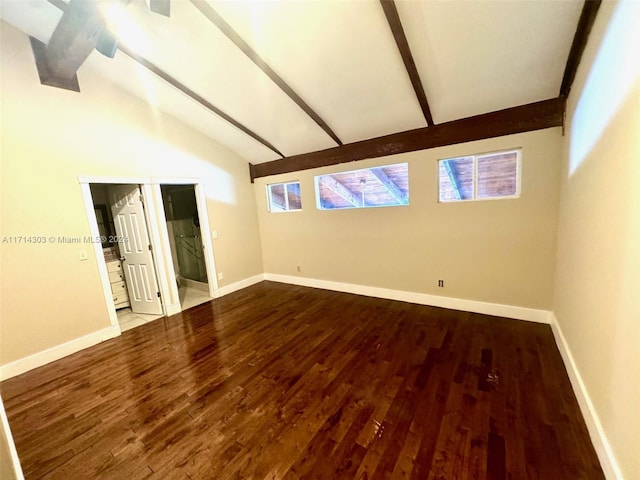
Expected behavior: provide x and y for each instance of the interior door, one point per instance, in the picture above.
(135, 248)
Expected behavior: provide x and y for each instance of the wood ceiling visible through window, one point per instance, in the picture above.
(383, 186)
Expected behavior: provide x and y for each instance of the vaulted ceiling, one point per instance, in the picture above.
(319, 81)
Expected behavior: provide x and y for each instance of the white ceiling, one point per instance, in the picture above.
(339, 56)
(481, 56)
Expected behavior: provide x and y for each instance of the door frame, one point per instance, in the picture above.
(158, 236)
(205, 231)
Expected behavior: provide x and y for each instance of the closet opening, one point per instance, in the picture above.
(128, 254)
(186, 243)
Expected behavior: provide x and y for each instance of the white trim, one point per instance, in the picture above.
(476, 157)
(102, 264)
(316, 189)
(173, 308)
(205, 230)
(187, 282)
(153, 222)
(168, 289)
(596, 432)
(175, 180)
(52, 354)
(247, 282)
(207, 244)
(13, 453)
(500, 310)
(286, 208)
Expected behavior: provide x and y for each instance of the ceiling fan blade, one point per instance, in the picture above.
(80, 29)
(107, 43)
(163, 7)
(73, 39)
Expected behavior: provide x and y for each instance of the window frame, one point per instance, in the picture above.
(476, 156)
(316, 184)
(286, 197)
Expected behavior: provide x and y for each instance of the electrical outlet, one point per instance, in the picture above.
(83, 255)
(441, 283)
(214, 234)
(220, 275)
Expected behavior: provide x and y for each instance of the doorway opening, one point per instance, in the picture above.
(126, 247)
(148, 227)
(186, 244)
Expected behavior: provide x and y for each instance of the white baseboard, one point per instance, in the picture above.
(49, 355)
(499, 310)
(203, 287)
(39, 359)
(232, 287)
(596, 432)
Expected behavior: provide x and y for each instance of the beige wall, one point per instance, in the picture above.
(597, 300)
(49, 138)
(500, 251)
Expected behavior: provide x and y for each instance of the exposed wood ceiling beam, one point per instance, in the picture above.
(389, 185)
(338, 188)
(198, 98)
(534, 116)
(184, 89)
(393, 18)
(239, 42)
(453, 178)
(587, 18)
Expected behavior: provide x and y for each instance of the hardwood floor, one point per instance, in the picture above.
(285, 382)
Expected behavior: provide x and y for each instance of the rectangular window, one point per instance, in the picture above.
(479, 177)
(284, 197)
(370, 187)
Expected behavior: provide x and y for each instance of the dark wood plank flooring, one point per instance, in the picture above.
(285, 382)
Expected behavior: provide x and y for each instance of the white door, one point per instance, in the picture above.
(135, 248)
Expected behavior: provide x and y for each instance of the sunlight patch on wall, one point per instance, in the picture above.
(150, 155)
(218, 183)
(146, 81)
(219, 186)
(615, 71)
